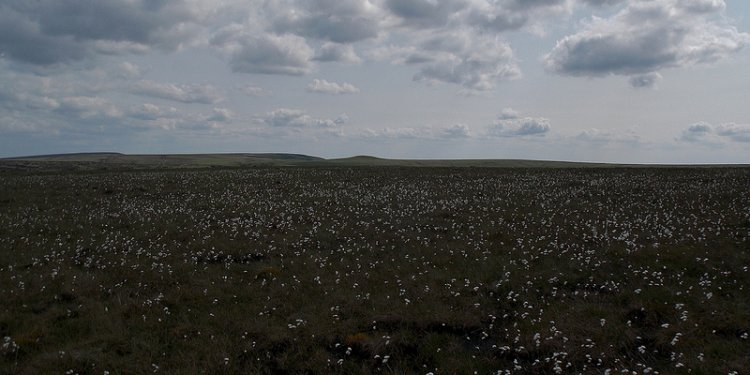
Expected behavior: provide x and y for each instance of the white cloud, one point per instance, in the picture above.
(645, 37)
(340, 21)
(262, 53)
(205, 94)
(294, 118)
(509, 124)
(471, 61)
(332, 88)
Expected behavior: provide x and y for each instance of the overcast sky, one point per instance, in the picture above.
(590, 80)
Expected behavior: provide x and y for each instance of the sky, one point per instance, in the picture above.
(630, 81)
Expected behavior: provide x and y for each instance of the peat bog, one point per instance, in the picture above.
(384, 270)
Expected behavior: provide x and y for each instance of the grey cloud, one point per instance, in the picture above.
(220, 115)
(703, 132)
(397, 133)
(205, 94)
(47, 32)
(702, 6)
(510, 124)
(698, 132)
(648, 80)
(150, 112)
(456, 131)
(335, 52)
(263, 53)
(340, 21)
(474, 62)
(601, 2)
(251, 90)
(332, 88)
(150, 116)
(88, 108)
(21, 40)
(425, 13)
(498, 20)
(646, 37)
(605, 136)
(735, 132)
(293, 118)
(530, 4)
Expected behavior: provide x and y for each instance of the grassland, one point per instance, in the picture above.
(117, 161)
(354, 269)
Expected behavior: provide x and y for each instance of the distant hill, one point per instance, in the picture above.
(118, 161)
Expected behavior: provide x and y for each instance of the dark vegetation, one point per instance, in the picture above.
(306, 270)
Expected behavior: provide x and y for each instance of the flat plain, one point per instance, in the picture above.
(351, 268)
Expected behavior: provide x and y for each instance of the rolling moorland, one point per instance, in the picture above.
(117, 161)
(275, 263)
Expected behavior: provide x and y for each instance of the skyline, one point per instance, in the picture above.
(629, 81)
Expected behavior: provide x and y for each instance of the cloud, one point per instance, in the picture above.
(509, 124)
(294, 118)
(335, 52)
(601, 2)
(46, 32)
(127, 70)
(703, 132)
(263, 53)
(425, 13)
(340, 21)
(645, 37)
(735, 132)
(648, 80)
(331, 88)
(221, 115)
(605, 136)
(251, 90)
(473, 62)
(456, 131)
(88, 108)
(204, 94)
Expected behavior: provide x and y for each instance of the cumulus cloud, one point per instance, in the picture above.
(509, 124)
(46, 32)
(340, 21)
(263, 53)
(294, 118)
(205, 94)
(335, 52)
(473, 62)
(645, 37)
(426, 13)
(331, 88)
(456, 131)
(703, 132)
